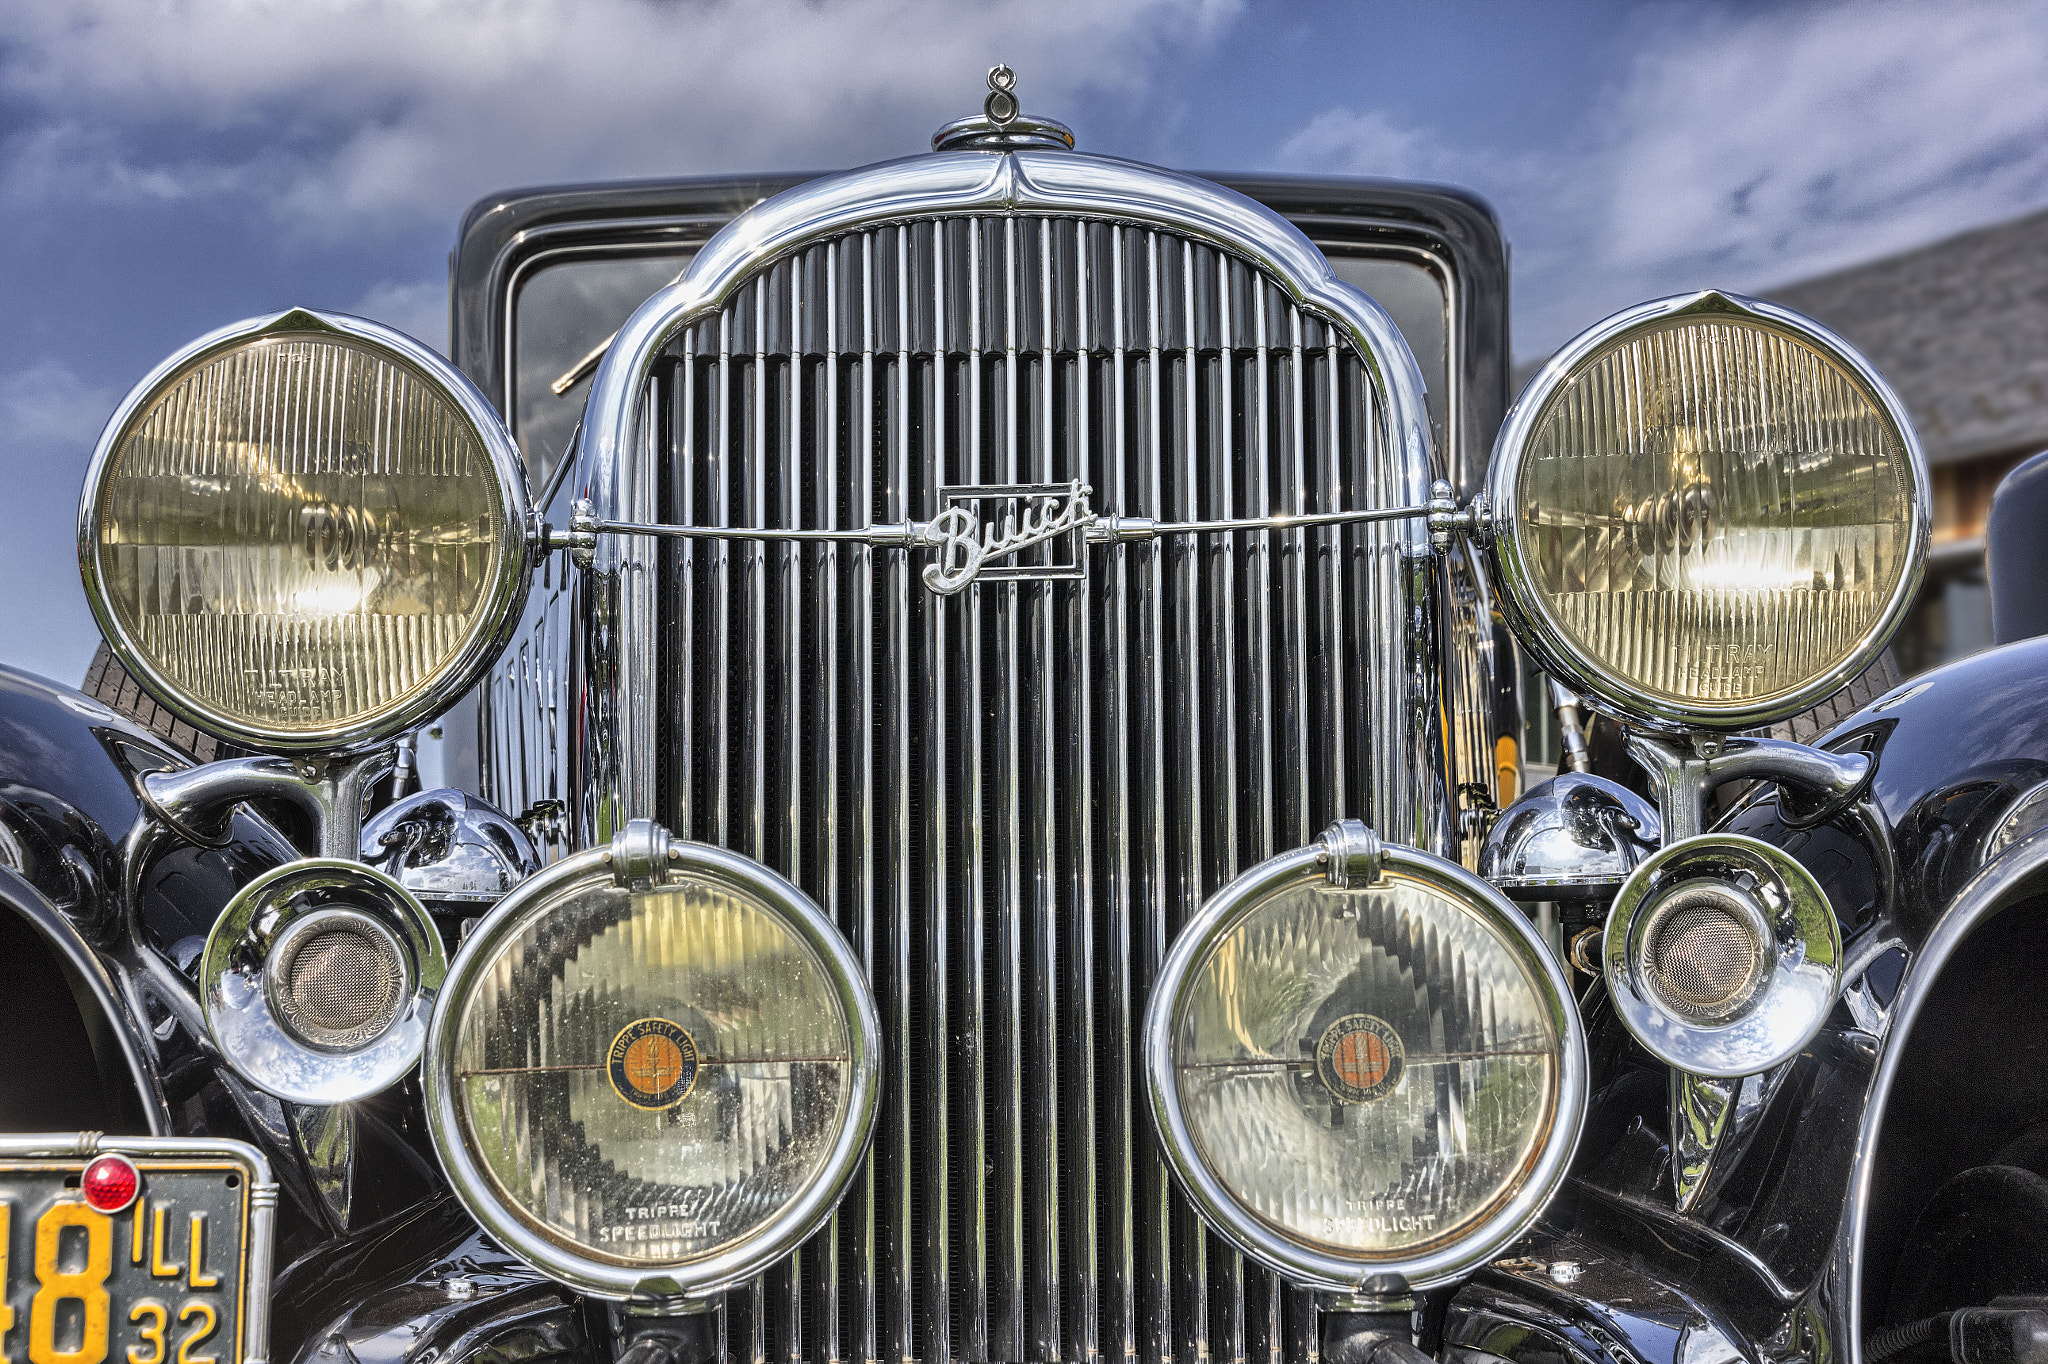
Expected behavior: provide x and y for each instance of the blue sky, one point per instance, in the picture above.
(167, 166)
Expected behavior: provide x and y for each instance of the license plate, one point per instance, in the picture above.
(164, 1281)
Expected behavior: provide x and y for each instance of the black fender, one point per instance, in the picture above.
(2005, 904)
(73, 1056)
(70, 772)
(1773, 1249)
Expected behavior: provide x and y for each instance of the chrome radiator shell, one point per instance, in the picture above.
(1051, 774)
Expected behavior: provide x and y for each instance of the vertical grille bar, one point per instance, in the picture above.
(894, 1133)
(1078, 986)
(1192, 1261)
(1116, 1320)
(1040, 1075)
(1006, 1114)
(934, 1224)
(826, 1245)
(1160, 883)
(1227, 1333)
(788, 1298)
(715, 757)
(866, 1335)
(974, 1264)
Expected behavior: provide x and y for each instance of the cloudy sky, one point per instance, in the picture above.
(167, 166)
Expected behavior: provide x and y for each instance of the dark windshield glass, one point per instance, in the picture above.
(1413, 296)
(563, 312)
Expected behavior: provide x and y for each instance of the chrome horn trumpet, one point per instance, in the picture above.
(1722, 955)
(318, 981)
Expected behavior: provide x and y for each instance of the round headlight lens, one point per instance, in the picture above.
(657, 1078)
(1367, 1077)
(1711, 513)
(304, 532)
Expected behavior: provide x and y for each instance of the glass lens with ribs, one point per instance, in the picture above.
(301, 534)
(1370, 1072)
(646, 1077)
(1716, 513)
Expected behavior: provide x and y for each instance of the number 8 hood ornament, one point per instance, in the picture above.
(1002, 124)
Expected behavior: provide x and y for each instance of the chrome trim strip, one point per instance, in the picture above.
(1545, 637)
(1302, 1263)
(494, 624)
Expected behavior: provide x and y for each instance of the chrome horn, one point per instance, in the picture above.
(318, 981)
(1722, 955)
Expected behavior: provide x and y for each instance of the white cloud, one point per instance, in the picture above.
(419, 310)
(1802, 139)
(48, 404)
(1747, 151)
(345, 113)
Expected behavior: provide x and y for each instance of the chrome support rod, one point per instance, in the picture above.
(1686, 776)
(1050, 511)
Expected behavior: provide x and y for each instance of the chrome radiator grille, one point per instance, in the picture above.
(1012, 798)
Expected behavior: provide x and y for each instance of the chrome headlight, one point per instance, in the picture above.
(653, 1069)
(305, 531)
(1708, 512)
(1363, 1062)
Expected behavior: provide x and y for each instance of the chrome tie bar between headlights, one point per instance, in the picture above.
(1040, 513)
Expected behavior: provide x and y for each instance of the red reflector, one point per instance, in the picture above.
(110, 1183)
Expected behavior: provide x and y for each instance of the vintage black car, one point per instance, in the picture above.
(1001, 685)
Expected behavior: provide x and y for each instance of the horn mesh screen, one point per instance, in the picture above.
(1702, 960)
(342, 987)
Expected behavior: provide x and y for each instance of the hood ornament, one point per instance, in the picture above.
(1001, 105)
(1002, 124)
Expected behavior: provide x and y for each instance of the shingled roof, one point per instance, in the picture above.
(1960, 328)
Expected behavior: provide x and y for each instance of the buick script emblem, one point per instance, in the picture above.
(977, 527)
(1017, 532)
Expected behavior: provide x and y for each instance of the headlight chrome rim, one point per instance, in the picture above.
(673, 1284)
(513, 564)
(1785, 1007)
(1306, 1265)
(1545, 636)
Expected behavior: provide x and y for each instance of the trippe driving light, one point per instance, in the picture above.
(1363, 1063)
(654, 1068)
